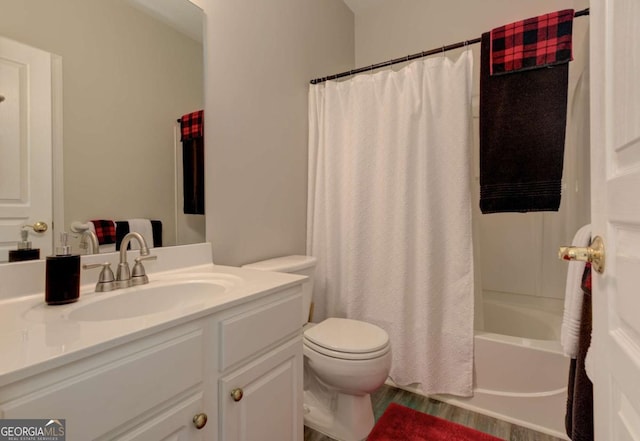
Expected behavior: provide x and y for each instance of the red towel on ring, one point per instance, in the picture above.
(532, 43)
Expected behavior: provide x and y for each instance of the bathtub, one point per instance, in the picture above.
(520, 373)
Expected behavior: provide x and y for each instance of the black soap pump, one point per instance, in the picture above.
(24, 251)
(62, 283)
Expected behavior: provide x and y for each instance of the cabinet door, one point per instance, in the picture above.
(270, 407)
(116, 390)
(174, 424)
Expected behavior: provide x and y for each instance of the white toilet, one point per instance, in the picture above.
(344, 361)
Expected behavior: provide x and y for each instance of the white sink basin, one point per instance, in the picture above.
(185, 293)
(149, 300)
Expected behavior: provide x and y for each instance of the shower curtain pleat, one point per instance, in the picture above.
(389, 214)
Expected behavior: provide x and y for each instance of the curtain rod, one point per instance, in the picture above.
(413, 56)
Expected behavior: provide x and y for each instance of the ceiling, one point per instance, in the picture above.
(358, 6)
(183, 16)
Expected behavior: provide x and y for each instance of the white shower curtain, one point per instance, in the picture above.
(389, 214)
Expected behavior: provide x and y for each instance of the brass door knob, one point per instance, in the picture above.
(200, 420)
(237, 394)
(594, 253)
(38, 227)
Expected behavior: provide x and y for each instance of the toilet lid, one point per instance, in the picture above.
(345, 335)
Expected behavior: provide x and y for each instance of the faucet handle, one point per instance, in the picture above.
(105, 279)
(147, 257)
(138, 274)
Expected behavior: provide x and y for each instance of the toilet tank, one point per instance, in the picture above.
(302, 265)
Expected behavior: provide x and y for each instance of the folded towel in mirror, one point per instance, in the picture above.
(105, 230)
(151, 230)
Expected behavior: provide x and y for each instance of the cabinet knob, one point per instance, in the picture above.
(200, 420)
(236, 394)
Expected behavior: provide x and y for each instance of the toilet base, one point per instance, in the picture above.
(342, 417)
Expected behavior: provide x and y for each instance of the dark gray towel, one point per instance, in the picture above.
(522, 130)
(193, 175)
(579, 416)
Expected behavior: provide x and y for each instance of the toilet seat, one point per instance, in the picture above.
(347, 339)
(345, 355)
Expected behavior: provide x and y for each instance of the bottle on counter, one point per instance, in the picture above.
(24, 251)
(62, 278)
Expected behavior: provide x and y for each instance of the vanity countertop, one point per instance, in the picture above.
(35, 337)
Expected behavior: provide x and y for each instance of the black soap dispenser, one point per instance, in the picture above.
(24, 251)
(62, 283)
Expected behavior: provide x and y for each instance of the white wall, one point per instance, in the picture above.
(515, 253)
(260, 58)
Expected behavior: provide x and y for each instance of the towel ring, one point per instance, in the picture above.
(594, 253)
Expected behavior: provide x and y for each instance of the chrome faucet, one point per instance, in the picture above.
(89, 242)
(124, 277)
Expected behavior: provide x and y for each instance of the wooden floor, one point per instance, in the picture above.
(492, 426)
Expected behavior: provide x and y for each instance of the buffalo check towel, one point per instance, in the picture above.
(192, 137)
(532, 43)
(192, 125)
(105, 231)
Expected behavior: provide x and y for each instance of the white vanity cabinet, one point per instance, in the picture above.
(151, 386)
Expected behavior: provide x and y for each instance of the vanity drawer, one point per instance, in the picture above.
(248, 333)
(140, 377)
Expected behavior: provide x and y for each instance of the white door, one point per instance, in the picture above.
(615, 174)
(25, 145)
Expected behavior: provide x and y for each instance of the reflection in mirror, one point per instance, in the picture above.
(127, 77)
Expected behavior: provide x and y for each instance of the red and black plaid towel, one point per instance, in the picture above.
(192, 125)
(586, 279)
(532, 43)
(105, 231)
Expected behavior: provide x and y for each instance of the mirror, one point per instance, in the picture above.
(130, 70)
